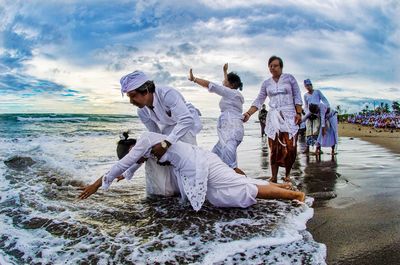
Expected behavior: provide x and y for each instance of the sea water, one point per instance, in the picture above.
(43, 222)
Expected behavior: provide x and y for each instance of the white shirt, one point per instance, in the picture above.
(283, 96)
(284, 93)
(315, 98)
(170, 109)
(231, 101)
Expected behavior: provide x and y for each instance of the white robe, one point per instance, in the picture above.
(179, 120)
(315, 98)
(199, 174)
(283, 95)
(230, 123)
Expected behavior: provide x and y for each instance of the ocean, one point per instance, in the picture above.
(43, 222)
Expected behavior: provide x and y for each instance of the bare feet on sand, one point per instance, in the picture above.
(286, 179)
(273, 179)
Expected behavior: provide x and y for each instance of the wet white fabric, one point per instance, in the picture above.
(283, 96)
(160, 180)
(278, 120)
(132, 81)
(230, 123)
(226, 188)
(197, 171)
(170, 110)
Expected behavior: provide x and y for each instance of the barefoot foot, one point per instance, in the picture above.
(273, 179)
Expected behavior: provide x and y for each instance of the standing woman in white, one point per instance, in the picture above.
(230, 122)
(162, 110)
(312, 96)
(283, 118)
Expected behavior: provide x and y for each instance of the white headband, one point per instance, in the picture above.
(132, 81)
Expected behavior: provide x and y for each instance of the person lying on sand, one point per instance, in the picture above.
(200, 175)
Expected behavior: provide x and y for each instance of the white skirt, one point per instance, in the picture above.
(226, 188)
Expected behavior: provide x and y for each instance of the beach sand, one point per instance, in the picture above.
(387, 138)
(361, 225)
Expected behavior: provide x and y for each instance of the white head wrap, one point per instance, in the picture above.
(132, 81)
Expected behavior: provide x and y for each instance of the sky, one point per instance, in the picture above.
(68, 56)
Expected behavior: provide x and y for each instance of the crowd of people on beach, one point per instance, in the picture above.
(175, 165)
(389, 120)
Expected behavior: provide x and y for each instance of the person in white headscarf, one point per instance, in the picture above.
(162, 110)
(230, 122)
(201, 175)
(312, 96)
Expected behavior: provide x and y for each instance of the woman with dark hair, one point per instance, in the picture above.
(283, 118)
(328, 132)
(200, 174)
(230, 122)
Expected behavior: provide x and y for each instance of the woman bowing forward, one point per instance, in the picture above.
(230, 122)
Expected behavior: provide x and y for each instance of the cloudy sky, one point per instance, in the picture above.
(68, 56)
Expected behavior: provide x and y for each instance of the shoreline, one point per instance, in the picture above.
(360, 225)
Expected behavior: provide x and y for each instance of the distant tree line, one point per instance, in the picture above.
(380, 109)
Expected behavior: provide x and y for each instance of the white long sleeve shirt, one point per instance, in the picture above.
(232, 100)
(315, 98)
(283, 96)
(170, 109)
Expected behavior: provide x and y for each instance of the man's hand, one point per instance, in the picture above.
(87, 191)
(158, 151)
(119, 178)
(90, 189)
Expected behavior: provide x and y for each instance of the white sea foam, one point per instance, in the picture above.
(119, 225)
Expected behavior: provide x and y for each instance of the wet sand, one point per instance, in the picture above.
(360, 225)
(388, 138)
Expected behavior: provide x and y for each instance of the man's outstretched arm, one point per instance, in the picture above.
(90, 189)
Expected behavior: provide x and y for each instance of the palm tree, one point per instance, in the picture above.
(386, 108)
(396, 106)
(339, 109)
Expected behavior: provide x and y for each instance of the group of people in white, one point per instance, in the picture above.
(174, 164)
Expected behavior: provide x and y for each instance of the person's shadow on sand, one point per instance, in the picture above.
(320, 178)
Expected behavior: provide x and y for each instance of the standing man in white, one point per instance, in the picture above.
(162, 110)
